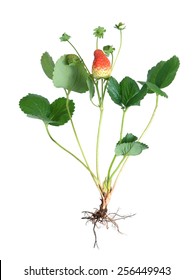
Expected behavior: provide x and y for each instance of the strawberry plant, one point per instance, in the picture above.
(71, 74)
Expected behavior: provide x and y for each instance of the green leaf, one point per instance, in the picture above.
(35, 106)
(128, 146)
(127, 93)
(156, 89)
(137, 148)
(129, 88)
(122, 149)
(59, 113)
(90, 84)
(153, 72)
(130, 149)
(135, 100)
(129, 137)
(47, 64)
(114, 91)
(164, 72)
(168, 72)
(72, 77)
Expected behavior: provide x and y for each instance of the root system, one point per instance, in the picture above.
(102, 217)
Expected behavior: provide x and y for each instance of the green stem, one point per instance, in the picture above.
(101, 102)
(143, 133)
(122, 123)
(112, 58)
(114, 158)
(75, 133)
(98, 92)
(152, 117)
(110, 167)
(97, 43)
(123, 164)
(98, 141)
(121, 41)
(104, 90)
(63, 148)
(118, 166)
(79, 56)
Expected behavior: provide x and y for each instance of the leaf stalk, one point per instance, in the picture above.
(123, 162)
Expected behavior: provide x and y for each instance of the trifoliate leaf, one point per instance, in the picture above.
(127, 93)
(47, 65)
(56, 113)
(35, 106)
(129, 146)
(60, 110)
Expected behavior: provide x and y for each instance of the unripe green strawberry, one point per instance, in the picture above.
(71, 59)
(101, 67)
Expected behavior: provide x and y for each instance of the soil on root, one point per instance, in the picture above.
(102, 217)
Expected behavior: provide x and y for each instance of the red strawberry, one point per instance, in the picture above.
(101, 67)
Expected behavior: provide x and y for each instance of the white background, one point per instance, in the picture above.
(43, 191)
